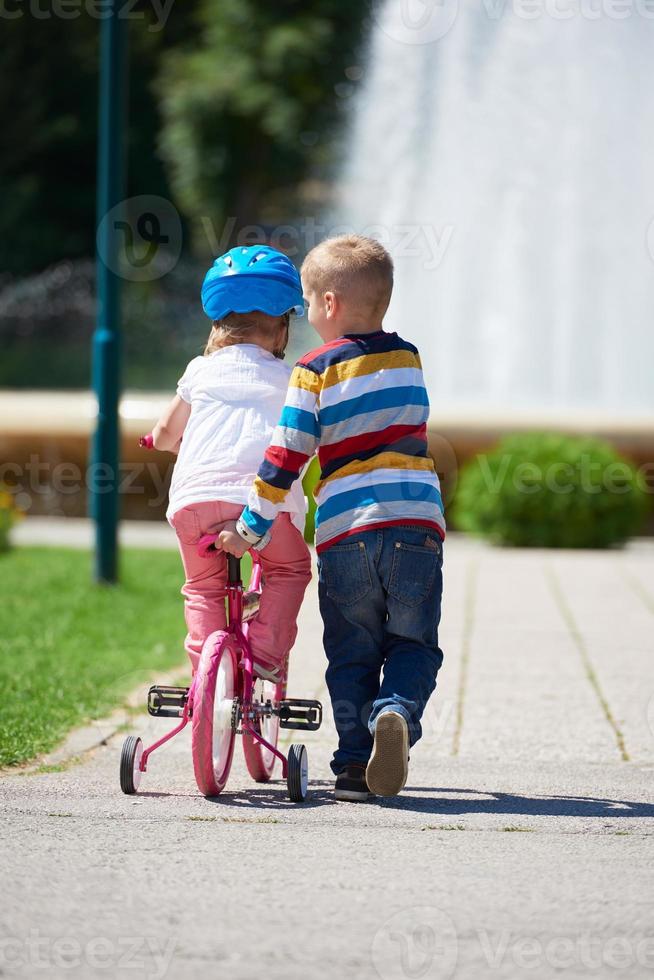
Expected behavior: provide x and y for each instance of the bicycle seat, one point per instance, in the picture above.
(206, 544)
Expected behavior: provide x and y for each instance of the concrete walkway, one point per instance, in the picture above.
(79, 532)
(521, 847)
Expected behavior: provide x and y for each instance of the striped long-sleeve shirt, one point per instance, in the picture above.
(360, 402)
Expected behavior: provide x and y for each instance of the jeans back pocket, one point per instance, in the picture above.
(344, 572)
(413, 572)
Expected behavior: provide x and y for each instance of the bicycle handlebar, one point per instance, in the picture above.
(233, 570)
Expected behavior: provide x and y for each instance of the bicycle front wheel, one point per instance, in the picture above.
(213, 733)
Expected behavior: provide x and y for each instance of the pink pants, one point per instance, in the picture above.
(286, 566)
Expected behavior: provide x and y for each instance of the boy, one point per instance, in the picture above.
(360, 402)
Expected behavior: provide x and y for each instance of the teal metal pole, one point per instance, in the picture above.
(106, 357)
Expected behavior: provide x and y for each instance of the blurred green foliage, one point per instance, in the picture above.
(550, 490)
(48, 120)
(252, 106)
(232, 104)
(234, 115)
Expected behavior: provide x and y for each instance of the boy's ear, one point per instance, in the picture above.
(331, 305)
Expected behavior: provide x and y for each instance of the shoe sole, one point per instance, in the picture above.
(351, 796)
(388, 768)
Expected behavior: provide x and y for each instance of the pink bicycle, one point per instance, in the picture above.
(227, 699)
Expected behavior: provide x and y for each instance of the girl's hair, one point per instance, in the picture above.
(244, 328)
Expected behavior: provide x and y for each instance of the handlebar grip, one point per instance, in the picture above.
(233, 570)
(146, 442)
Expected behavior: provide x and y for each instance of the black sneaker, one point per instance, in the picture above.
(351, 785)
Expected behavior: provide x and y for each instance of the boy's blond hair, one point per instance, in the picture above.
(355, 267)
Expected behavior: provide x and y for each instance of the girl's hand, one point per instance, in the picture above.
(231, 542)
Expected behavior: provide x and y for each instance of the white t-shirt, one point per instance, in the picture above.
(236, 396)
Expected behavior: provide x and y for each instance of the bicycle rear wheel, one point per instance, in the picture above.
(259, 760)
(212, 736)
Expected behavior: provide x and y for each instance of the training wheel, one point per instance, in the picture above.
(298, 773)
(130, 761)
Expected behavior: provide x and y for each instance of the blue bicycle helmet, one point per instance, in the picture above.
(256, 277)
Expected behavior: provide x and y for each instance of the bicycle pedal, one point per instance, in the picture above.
(300, 715)
(167, 702)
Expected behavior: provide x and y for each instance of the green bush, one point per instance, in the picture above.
(550, 490)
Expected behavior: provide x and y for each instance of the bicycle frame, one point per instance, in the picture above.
(241, 606)
(239, 611)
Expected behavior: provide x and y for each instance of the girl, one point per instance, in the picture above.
(220, 423)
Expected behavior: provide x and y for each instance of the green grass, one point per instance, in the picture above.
(71, 650)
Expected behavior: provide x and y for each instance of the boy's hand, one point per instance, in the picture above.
(231, 541)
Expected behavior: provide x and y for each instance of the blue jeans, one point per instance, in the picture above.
(380, 601)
